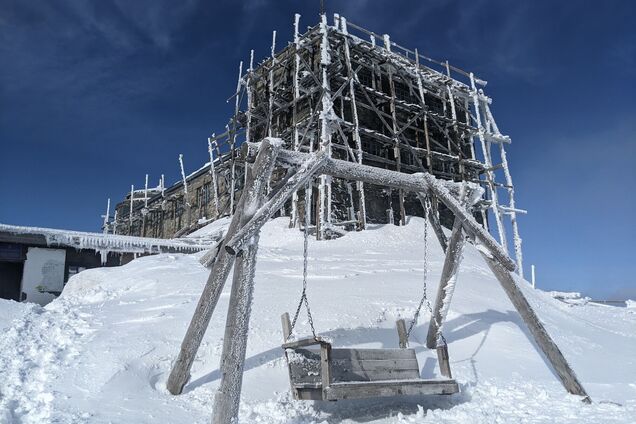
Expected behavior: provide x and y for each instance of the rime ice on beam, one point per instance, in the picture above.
(106, 243)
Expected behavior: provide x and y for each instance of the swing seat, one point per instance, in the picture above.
(325, 373)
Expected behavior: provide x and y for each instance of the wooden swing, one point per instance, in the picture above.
(325, 373)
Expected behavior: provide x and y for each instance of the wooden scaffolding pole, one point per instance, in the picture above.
(294, 221)
(324, 188)
(397, 151)
(356, 128)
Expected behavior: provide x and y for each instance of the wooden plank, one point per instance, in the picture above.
(309, 341)
(325, 367)
(402, 336)
(446, 283)
(372, 354)
(539, 333)
(358, 390)
(444, 360)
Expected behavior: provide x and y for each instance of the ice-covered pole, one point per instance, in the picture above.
(115, 223)
(356, 127)
(163, 185)
(294, 212)
(215, 187)
(130, 214)
(107, 216)
(534, 285)
(146, 192)
(326, 112)
(271, 86)
(185, 181)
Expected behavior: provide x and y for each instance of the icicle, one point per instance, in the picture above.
(115, 223)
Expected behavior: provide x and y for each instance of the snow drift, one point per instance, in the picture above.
(101, 353)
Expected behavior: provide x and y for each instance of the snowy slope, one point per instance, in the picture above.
(101, 353)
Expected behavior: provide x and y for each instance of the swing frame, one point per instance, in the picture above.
(240, 246)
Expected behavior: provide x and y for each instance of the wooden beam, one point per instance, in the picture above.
(446, 284)
(539, 333)
(227, 398)
(212, 291)
(418, 183)
(275, 202)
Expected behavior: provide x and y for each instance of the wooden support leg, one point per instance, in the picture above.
(228, 396)
(541, 337)
(446, 283)
(209, 298)
(402, 334)
(444, 360)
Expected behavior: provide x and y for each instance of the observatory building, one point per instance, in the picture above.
(361, 97)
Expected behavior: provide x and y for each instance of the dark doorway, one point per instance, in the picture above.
(10, 279)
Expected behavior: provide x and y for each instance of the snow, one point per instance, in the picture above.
(102, 351)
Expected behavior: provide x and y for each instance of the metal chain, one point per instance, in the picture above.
(303, 296)
(427, 208)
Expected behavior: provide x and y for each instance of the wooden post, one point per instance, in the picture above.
(443, 360)
(181, 369)
(286, 326)
(541, 337)
(402, 335)
(228, 396)
(446, 283)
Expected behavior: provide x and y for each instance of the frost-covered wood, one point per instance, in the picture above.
(181, 369)
(417, 183)
(539, 333)
(228, 396)
(447, 283)
(305, 172)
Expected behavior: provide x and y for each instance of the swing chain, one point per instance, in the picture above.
(427, 209)
(303, 296)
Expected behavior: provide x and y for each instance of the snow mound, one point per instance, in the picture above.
(102, 351)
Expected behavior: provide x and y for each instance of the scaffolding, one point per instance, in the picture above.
(361, 97)
(357, 96)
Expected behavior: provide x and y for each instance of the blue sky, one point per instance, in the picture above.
(95, 94)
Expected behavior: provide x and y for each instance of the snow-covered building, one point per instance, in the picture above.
(361, 97)
(36, 263)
